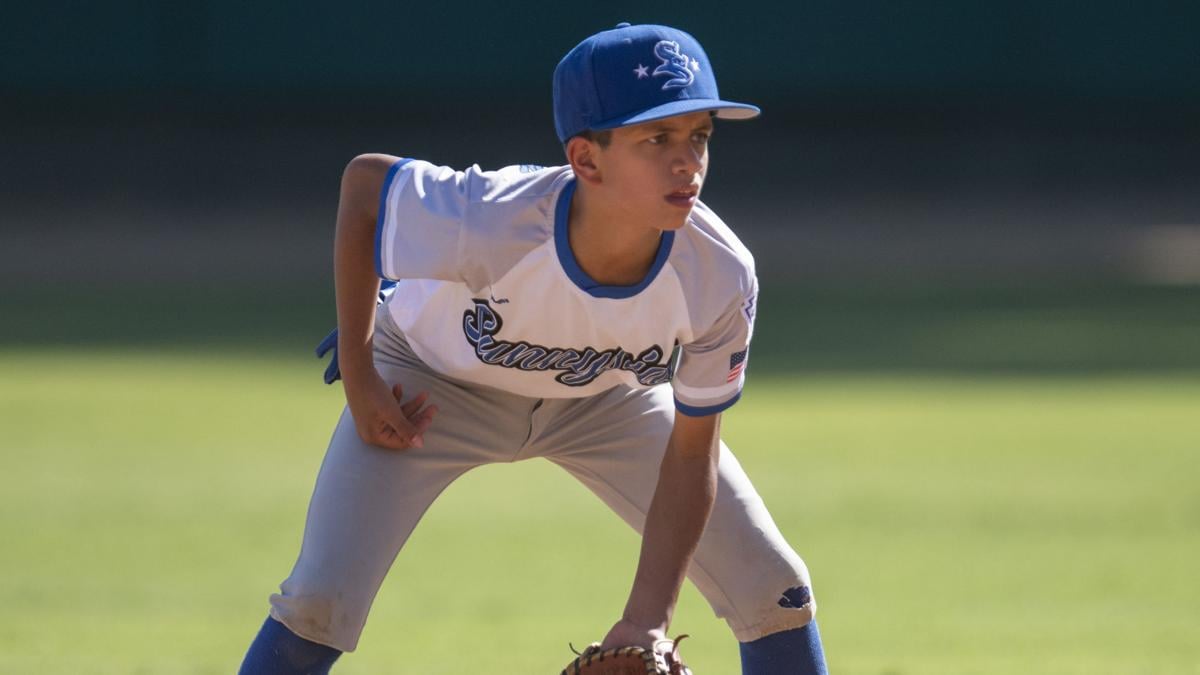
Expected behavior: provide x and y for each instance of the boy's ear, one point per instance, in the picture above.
(582, 154)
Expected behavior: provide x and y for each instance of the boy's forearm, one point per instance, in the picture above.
(683, 500)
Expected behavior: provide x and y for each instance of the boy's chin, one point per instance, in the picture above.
(677, 222)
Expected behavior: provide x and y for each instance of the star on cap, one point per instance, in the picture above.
(695, 65)
(642, 71)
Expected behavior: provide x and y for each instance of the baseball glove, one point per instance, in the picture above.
(628, 661)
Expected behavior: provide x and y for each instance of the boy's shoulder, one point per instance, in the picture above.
(714, 247)
(521, 181)
(715, 269)
(515, 182)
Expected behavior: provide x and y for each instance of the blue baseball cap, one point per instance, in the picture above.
(634, 74)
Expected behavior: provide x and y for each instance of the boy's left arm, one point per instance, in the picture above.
(683, 500)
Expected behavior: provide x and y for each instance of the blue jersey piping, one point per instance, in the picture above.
(562, 246)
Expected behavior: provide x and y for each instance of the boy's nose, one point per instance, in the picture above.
(688, 161)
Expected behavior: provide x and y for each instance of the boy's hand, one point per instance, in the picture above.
(625, 634)
(629, 648)
(382, 417)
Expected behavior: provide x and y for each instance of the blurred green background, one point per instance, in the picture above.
(973, 398)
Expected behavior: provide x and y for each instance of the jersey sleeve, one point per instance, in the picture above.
(419, 232)
(712, 369)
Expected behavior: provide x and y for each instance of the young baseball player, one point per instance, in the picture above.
(596, 314)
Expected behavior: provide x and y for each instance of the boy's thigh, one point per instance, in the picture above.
(743, 565)
(368, 500)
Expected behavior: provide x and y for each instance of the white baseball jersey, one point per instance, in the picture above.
(489, 291)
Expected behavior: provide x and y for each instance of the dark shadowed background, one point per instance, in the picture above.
(152, 151)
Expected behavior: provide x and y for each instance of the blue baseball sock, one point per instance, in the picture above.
(279, 651)
(791, 652)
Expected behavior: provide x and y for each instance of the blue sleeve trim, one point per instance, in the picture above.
(380, 219)
(693, 411)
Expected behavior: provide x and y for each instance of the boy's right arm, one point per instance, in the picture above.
(380, 415)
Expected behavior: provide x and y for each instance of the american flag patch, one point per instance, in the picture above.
(737, 363)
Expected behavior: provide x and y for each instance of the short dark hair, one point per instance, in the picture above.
(602, 137)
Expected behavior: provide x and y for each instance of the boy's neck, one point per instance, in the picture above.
(610, 249)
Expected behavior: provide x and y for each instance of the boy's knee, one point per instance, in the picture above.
(759, 586)
(789, 606)
(320, 618)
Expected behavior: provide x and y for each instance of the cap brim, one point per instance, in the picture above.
(727, 110)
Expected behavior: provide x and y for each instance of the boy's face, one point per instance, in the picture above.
(654, 171)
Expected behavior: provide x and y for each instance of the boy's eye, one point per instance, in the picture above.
(701, 137)
(660, 138)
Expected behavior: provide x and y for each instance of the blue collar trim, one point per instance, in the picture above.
(566, 257)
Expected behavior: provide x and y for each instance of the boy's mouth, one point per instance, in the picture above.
(684, 197)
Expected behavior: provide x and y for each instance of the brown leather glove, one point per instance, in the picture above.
(628, 661)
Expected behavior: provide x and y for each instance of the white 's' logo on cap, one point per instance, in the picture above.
(675, 65)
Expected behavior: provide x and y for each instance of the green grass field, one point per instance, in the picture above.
(970, 519)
